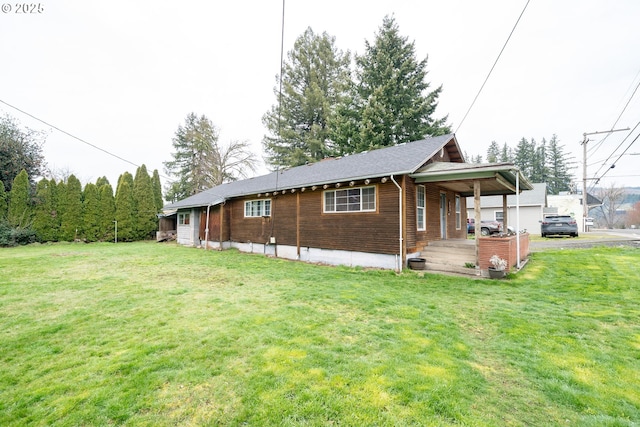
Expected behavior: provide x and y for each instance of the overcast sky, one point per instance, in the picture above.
(123, 75)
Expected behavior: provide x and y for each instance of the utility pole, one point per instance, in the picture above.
(585, 204)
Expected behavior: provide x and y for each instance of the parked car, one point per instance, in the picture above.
(487, 227)
(559, 225)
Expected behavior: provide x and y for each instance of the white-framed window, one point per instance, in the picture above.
(361, 199)
(499, 216)
(257, 208)
(421, 204)
(184, 219)
(458, 213)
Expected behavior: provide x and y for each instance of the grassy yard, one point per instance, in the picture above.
(156, 334)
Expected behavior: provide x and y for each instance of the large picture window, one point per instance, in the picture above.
(257, 208)
(350, 200)
(421, 204)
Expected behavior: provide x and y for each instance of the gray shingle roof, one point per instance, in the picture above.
(396, 160)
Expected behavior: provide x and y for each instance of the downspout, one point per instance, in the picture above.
(400, 261)
(206, 229)
(224, 202)
(518, 218)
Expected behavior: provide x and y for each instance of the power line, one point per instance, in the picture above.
(599, 144)
(78, 138)
(616, 149)
(494, 66)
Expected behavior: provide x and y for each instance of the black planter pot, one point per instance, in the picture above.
(417, 263)
(496, 274)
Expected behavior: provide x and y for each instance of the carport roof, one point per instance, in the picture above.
(495, 178)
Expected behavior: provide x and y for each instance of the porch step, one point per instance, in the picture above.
(450, 257)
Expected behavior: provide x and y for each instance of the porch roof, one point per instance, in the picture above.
(495, 178)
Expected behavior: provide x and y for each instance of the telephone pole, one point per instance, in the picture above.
(585, 204)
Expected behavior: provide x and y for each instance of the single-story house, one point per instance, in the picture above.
(371, 209)
(532, 204)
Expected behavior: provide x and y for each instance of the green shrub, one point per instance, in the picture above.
(10, 236)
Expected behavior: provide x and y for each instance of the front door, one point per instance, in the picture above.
(443, 216)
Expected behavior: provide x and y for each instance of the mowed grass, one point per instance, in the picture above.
(161, 335)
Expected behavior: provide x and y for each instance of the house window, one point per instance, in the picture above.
(499, 215)
(458, 214)
(257, 208)
(184, 219)
(350, 200)
(421, 204)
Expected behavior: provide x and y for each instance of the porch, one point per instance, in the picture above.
(458, 256)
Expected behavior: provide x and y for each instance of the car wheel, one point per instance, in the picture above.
(485, 232)
(544, 235)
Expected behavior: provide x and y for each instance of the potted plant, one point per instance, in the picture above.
(499, 266)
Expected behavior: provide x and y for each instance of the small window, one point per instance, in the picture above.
(184, 219)
(458, 214)
(421, 204)
(257, 208)
(499, 215)
(350, 200)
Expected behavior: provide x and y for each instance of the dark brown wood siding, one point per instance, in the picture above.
(298, 219)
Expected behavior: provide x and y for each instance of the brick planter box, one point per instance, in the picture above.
(504, 247)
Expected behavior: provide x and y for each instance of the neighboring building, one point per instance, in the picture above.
(373, 209)
(571, 204)
(532, 205)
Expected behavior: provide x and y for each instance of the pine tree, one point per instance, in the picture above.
(392, 85)
(71, 207)
(145, 219)
(157, 190)
(124, 211)
(19, 208)
(91, 213)
(558, 166)
(314, 78)
(493, 152)
(523, 157)
(3, 202)
(45, 221)
(506, 155)
(107, 210)
(199, 163)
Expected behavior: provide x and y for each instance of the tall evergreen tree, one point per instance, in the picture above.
(124, 212)
(3, 202)
(45, 221)
(200, 163)
(493, 152)
(506, 155)
(101, 181)
(145, 219)
(70, 203)
(91, 213)
(396, 105)
(107, 210)
(558, 166)
(539, 171)
(20, 209)
(157, 190)
(314, 77)
(523, 157)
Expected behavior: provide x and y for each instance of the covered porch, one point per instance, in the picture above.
(479, 180)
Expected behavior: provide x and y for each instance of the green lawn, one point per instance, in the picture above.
(156, 334)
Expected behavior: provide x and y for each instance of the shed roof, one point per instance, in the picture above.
(396, 160)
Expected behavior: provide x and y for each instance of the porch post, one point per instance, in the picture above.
(505, 215)
(477, 217)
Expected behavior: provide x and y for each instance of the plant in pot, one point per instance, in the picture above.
(499, 266)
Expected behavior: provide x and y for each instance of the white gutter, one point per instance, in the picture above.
(400, 261)
(206, 230)
(518, 218)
